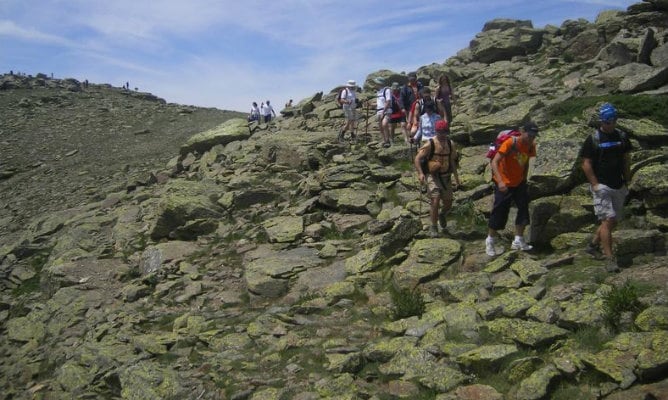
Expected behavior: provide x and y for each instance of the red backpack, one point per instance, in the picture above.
(500, 138)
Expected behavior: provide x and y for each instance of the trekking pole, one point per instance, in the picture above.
(366, 124)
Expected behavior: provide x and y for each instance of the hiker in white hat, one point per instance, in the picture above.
(346, 98)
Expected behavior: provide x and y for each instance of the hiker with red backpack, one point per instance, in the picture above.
(510, 168)
(348, 102)
(409, 94)
(398, 116)
(437, 159)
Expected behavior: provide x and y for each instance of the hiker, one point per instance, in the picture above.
(410, 93)
(254, 114)
(606, 164)
(348, 101)
(445, 97)
(398, 115)
(419, 107)
(441, 154)
(510, 168)
(288, 104)
(427, 125)
(383, 110)
(267, 112)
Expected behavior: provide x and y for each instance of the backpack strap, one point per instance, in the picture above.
(431, 149)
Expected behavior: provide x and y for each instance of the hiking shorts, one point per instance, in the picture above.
(609, 203)
(502, 202)
(398, 120)
(439, 185)
(350, 113)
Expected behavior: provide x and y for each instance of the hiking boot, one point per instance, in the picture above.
(489, 247)
(611, 265)
(594, 250)
(340, 137)
(433, 231)
(442, 221)
(520, 244)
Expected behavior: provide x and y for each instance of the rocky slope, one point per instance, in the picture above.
(271, 262)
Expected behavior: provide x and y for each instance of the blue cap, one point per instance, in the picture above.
(607, 112)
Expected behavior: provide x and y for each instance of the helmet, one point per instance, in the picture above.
(441, 125)
(607, 112)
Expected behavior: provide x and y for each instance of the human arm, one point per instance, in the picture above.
(421, 153)
(495, 171)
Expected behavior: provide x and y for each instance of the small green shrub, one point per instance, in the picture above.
(591, 338)
(406, 303)
(620, 299)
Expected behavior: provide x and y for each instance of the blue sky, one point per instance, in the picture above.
(227, 54)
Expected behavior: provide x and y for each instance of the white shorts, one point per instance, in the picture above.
(609, 203)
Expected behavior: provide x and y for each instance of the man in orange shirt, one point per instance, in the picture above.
(510, 167)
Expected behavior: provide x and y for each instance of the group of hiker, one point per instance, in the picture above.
(263, 113)
(424, 119)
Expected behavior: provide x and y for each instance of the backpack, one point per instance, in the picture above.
(424, 161)
(596, 142)
(339, 98)
(500, 138)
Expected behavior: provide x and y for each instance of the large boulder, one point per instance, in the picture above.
(504, 39)
(230, 131)
(659, 56)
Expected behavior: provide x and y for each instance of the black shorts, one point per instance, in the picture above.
(398, 119)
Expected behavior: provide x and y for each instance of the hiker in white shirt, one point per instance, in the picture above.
(348, 100)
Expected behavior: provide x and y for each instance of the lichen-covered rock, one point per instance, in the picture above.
(464, 288)
(284, 229)
(536, 386)
(510, 304)
(585, 311)
(346, 199)
(487, 356)
(230, 131)
(653, 318)
(652, 182)
(427, 259)
(528, 333)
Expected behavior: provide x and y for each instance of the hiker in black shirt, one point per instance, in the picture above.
(606, 164)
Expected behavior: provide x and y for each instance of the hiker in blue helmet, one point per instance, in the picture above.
(606, 164)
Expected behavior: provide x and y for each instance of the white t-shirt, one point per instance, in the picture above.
(267, 110)
(255, 111)
(348, 97)
(384, 95)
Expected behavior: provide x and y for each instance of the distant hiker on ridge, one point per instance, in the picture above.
(254, 114)
(267, 112)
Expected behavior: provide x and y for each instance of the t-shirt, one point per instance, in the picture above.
(427, 127)
(512, 165)
(384, 95)
(608, 158)
(348, 97)
(267, 110)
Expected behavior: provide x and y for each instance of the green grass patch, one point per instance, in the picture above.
(622, 298)
(585, 271)
(406, 303)
(651, 107)
(591, 338)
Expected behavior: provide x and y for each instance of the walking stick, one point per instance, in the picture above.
(366, 125)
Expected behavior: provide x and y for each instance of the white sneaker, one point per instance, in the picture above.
(489, 247)
(520, 245)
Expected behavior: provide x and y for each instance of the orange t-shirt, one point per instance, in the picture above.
(511, 167)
